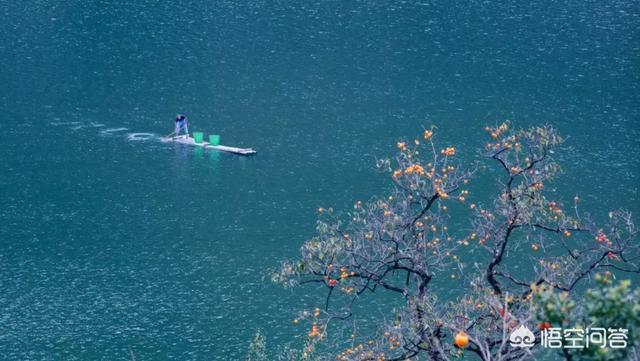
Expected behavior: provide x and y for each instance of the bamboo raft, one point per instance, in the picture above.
(187, 140)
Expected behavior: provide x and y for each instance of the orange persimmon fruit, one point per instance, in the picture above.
(461, 339)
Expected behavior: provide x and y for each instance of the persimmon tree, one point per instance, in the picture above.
(454, 288)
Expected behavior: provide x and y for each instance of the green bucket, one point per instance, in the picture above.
(197, 137)
(214, 139)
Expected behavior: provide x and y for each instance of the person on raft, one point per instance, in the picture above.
(181, 123)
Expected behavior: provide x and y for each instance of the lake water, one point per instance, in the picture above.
(111, 246)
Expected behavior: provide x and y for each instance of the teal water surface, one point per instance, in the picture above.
(111, 246)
